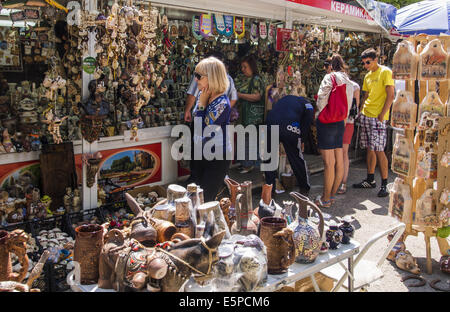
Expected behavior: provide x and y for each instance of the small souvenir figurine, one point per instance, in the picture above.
(7, 144)
(135, 125)
(68, 199)
(347, 229)
(46, 201)
(76, 200)
(54, 122)
(334, 235)
(35, 141)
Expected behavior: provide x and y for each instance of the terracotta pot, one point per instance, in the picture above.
(279, 243)
(88, 245)
(5, 260)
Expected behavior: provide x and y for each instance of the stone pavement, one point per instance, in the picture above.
(371, 214)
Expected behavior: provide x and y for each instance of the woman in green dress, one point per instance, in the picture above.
(251, 97)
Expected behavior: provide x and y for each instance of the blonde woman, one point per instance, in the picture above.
(213, 107)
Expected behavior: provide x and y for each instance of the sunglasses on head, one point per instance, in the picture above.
(366, 62)
(198, 76)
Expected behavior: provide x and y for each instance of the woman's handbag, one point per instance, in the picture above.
(337, 107)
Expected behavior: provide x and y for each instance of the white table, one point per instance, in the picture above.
(295, 272)
(298, 271)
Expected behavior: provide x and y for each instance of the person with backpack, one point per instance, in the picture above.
(251, 96)
(348, 133)
(334, 101)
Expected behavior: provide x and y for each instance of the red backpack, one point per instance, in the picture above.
(337, 107)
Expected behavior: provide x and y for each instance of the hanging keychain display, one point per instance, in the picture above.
(430, 110)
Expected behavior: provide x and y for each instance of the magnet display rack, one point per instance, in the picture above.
(419, 185)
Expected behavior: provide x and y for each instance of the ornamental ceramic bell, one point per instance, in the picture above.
(404, 110)
(405, 61)
(403, 156)
(433, 61)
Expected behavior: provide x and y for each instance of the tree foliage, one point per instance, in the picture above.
(400, 3)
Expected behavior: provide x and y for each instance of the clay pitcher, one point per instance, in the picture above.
(88, 245)
(244, 224)
(307, 238)
(279, 242)
(234, 190)
(266, 197)
(5, 259)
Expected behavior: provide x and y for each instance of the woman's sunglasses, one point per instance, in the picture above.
(367, 62)
(198, 76)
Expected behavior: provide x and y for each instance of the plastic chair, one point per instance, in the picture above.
(364, 271)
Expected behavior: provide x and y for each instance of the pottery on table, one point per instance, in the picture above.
(279, 242)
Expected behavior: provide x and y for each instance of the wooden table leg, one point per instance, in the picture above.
(350, 279)
(428, 249)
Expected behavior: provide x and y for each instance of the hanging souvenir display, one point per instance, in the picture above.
(239, 27)
(433, 61)
(426, 210)
(196, 27)
(404, 110)
(254, 32)
(272, 35)
(263, 30)
(426, 162)
(430, 110)
(403, 156)
(400, 201)
(405, 61)
(205, 25)
(219, 23)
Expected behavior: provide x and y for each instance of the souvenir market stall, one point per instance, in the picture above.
(420, 195)
(88, 105)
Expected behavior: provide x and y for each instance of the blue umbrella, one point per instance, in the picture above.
(429, 17)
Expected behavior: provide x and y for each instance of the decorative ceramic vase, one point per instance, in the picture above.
(244, 224)
(279, 242)
(334, 235)
(166, 210)
(347, 230)
(234, 190)
(183, 221)
(307, 239)
(87, 248)
(211, 215)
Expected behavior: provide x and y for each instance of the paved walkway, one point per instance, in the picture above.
(371, 214)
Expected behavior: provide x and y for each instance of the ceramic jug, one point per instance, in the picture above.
(279, 242)
(244, 224)
(87, 248)
(307, 239)
(212, 212)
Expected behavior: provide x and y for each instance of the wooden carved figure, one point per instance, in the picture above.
(54, 122)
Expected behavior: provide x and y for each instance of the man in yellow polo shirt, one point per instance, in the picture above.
(378, 95)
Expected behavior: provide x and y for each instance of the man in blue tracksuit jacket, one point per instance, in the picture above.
(294, 115)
